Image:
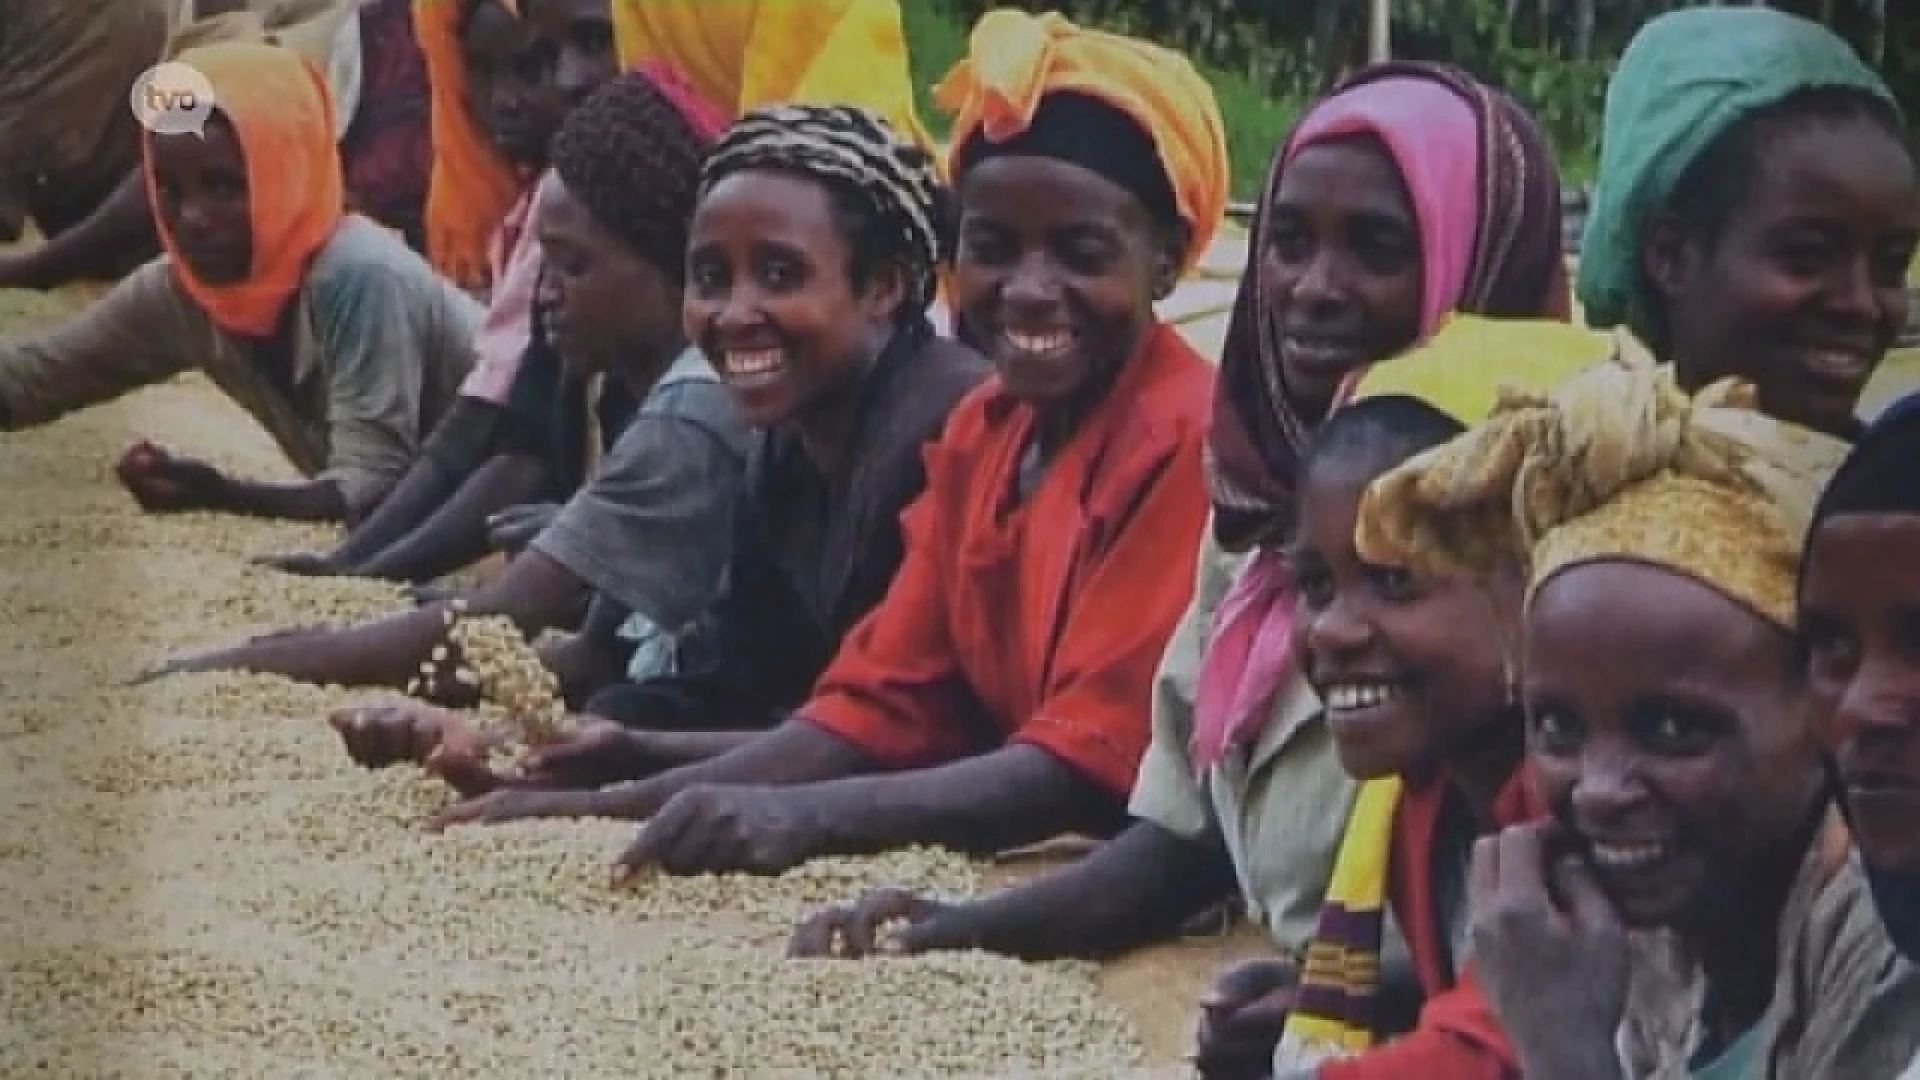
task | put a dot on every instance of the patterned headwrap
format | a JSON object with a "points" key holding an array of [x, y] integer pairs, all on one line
{"points": [[1017, 63], [1486, 198], [855, 150], [1618, 463], [632, 153]]}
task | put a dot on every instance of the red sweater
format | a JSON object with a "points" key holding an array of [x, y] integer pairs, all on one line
{"points": [[1041, 621]]}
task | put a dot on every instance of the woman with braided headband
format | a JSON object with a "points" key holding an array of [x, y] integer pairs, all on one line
{"points": [[810, 260], [996, 696], [1688, 874]]}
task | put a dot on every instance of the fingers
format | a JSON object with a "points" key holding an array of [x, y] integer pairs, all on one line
{"points": [[382, 735], [819, 935], [871, 916], [1246, 982], [1522, 866], [1483, 872], [1586, 901], [464, 772], [657, 840]]}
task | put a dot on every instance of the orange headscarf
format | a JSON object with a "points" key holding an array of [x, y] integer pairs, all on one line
{"points": [[1015, 59], [472, 185], [283, 118]]}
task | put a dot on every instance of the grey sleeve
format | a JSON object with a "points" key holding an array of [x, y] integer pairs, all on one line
{"points": [[653, 528]]}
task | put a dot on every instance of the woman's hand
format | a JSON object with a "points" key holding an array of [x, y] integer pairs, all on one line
{"points": [[728, 828], [890, 921], [1241, 1017], [164, 483], [599, 753], [1533, 923], [512, 529]]}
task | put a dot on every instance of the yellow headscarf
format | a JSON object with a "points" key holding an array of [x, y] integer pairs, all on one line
{"points": [[1462, 371], [744, 54], [1014, 60], [283, 118], [472, 185], [1618, 463]]}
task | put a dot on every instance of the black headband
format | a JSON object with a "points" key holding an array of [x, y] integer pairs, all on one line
{"points": [[1083, 130]]}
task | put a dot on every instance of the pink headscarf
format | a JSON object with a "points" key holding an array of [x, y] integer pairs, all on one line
{"points": [[1471, 163], [1434, 140]]}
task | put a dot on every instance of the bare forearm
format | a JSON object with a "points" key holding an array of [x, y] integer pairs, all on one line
{"points": [[1008, 798], [1136, 889], [794, 753], [535, 593], [314, 500], [457, 447], [96, 246], [455, 534], [426, 485]]}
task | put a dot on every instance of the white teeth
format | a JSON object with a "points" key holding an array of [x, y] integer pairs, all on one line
{"points": [[1628, 856], [1347, 697], [757, 362], [1040, 343]]}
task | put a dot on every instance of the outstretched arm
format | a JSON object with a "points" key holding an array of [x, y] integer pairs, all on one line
{"points": [[98, 247], [455, 534], [535, 592]]}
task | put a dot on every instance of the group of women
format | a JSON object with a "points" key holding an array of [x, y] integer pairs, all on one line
{"points": [[1326, 633]]}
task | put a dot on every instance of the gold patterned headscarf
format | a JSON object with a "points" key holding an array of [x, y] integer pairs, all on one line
{"points": [[1618, 463]]}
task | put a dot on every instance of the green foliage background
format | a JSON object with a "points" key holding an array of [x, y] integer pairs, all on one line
{"points": [[1267, 58]]}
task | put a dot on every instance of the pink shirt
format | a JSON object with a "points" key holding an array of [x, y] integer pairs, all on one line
{"points": [[514, 259]]}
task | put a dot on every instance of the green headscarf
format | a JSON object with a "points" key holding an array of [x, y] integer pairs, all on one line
{"points": [[1684, 79]]}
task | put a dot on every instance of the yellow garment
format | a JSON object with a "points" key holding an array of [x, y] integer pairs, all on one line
{"points": [[1617, 463], [1358, 887], [1015, 59], [1460, 370], [742, 54], [472, 185]]}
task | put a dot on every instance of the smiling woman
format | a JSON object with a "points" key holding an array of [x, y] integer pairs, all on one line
{"points": [[996, 696], [1683, 779], [1756, 209]]}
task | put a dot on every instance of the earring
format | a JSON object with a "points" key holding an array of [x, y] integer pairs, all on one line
{"points": [[1512, 681]]}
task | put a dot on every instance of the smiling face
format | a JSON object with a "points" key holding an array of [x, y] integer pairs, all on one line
{"points": [[773, 298], [1668, 731], [607, 309], [200, 190], [1056, 275], [1342, 262], [1412, 671], [1802, 288], [1860, 624]]}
